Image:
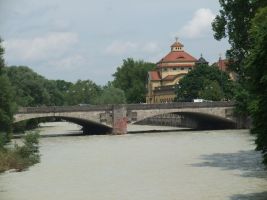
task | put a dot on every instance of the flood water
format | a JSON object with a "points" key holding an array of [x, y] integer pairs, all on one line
{"points": [[178, 165]]}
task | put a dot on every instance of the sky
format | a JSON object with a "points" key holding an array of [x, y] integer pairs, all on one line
{"points": [[89, 39]]}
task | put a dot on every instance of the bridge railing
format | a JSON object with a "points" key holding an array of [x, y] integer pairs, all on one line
{"points": [[109, 107], [180, 105], [54, 109]]}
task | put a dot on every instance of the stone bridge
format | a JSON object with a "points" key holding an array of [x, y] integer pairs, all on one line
{"points": [[114, 118]]}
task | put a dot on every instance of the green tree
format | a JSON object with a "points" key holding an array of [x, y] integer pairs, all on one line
{"points": [[211, 91], [64, 88], [55, 96], [7, 106], [83, 92], [111, 95], [131, 77], [205, 82], [31, 89], [234, 22], [28, 85], [2, 62], [257, 79]]}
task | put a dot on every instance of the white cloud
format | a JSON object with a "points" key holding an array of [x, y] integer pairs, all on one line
{"points": [[199, 25], [119, 47], [128, 47], [40, 48], [69, 63]]}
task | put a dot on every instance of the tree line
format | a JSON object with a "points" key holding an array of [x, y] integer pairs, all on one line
{"points": [[244, 23]]}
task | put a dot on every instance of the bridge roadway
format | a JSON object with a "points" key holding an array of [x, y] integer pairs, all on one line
{"points": [[114, 118]]}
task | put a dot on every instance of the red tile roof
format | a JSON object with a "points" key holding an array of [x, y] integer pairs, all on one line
{"points": [[222, 64], [177, 56], [154, 76]]}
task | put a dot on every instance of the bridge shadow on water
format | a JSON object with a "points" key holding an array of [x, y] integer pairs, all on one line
{"points": [[248, 162]]}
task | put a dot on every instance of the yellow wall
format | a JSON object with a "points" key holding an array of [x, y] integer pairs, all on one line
{"points": [[164, 98], [174, 82], [170, 71], [170, 64]]}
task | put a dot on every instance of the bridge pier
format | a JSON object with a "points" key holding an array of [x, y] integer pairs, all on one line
{"points": [[119, 119]]}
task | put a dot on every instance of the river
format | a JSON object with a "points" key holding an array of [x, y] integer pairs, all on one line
{"points": [[178, 165]]}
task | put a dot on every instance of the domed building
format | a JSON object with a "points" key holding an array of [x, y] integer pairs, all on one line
{"points": [[170, 69]]}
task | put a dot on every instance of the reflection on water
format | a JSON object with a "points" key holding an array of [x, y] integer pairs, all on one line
{"points": [[204, 165]]}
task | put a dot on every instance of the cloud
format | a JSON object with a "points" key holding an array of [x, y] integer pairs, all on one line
{"points": [[128, 47], [69, 63], [40, 48], [119, 47], [199, 25]]}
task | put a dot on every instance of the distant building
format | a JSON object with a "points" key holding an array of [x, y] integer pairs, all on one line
{"points": [[201, 61], [222, 65], [170, 69]]}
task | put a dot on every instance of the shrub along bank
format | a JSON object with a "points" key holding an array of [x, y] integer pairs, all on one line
{"points": [[20, 157]]}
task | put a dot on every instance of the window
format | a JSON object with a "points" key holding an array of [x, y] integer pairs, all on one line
{"points": [[182, 68], [174, 68]]}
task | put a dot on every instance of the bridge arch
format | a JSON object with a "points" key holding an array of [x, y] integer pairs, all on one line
{"points": [[194, 120], [88, 126]]}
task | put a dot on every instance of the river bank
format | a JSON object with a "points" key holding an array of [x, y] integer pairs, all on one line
{"points": [[20, 157]]}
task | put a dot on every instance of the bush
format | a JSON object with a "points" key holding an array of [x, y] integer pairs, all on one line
{"points": [[21, 157]]}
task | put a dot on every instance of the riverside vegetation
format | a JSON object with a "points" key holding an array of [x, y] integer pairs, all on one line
{"points": [[244, 23], [19, 157]]}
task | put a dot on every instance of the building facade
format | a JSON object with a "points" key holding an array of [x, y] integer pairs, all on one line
{"points": [[170, 69]]}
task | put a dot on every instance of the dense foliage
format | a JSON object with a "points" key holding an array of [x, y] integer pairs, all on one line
{"points": [[244, 23], [257, 78], [205, 82], [31, 89], [82, 92], [111, 95], [131, 78], [7, 106], [234, 22], [20, 157]]}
